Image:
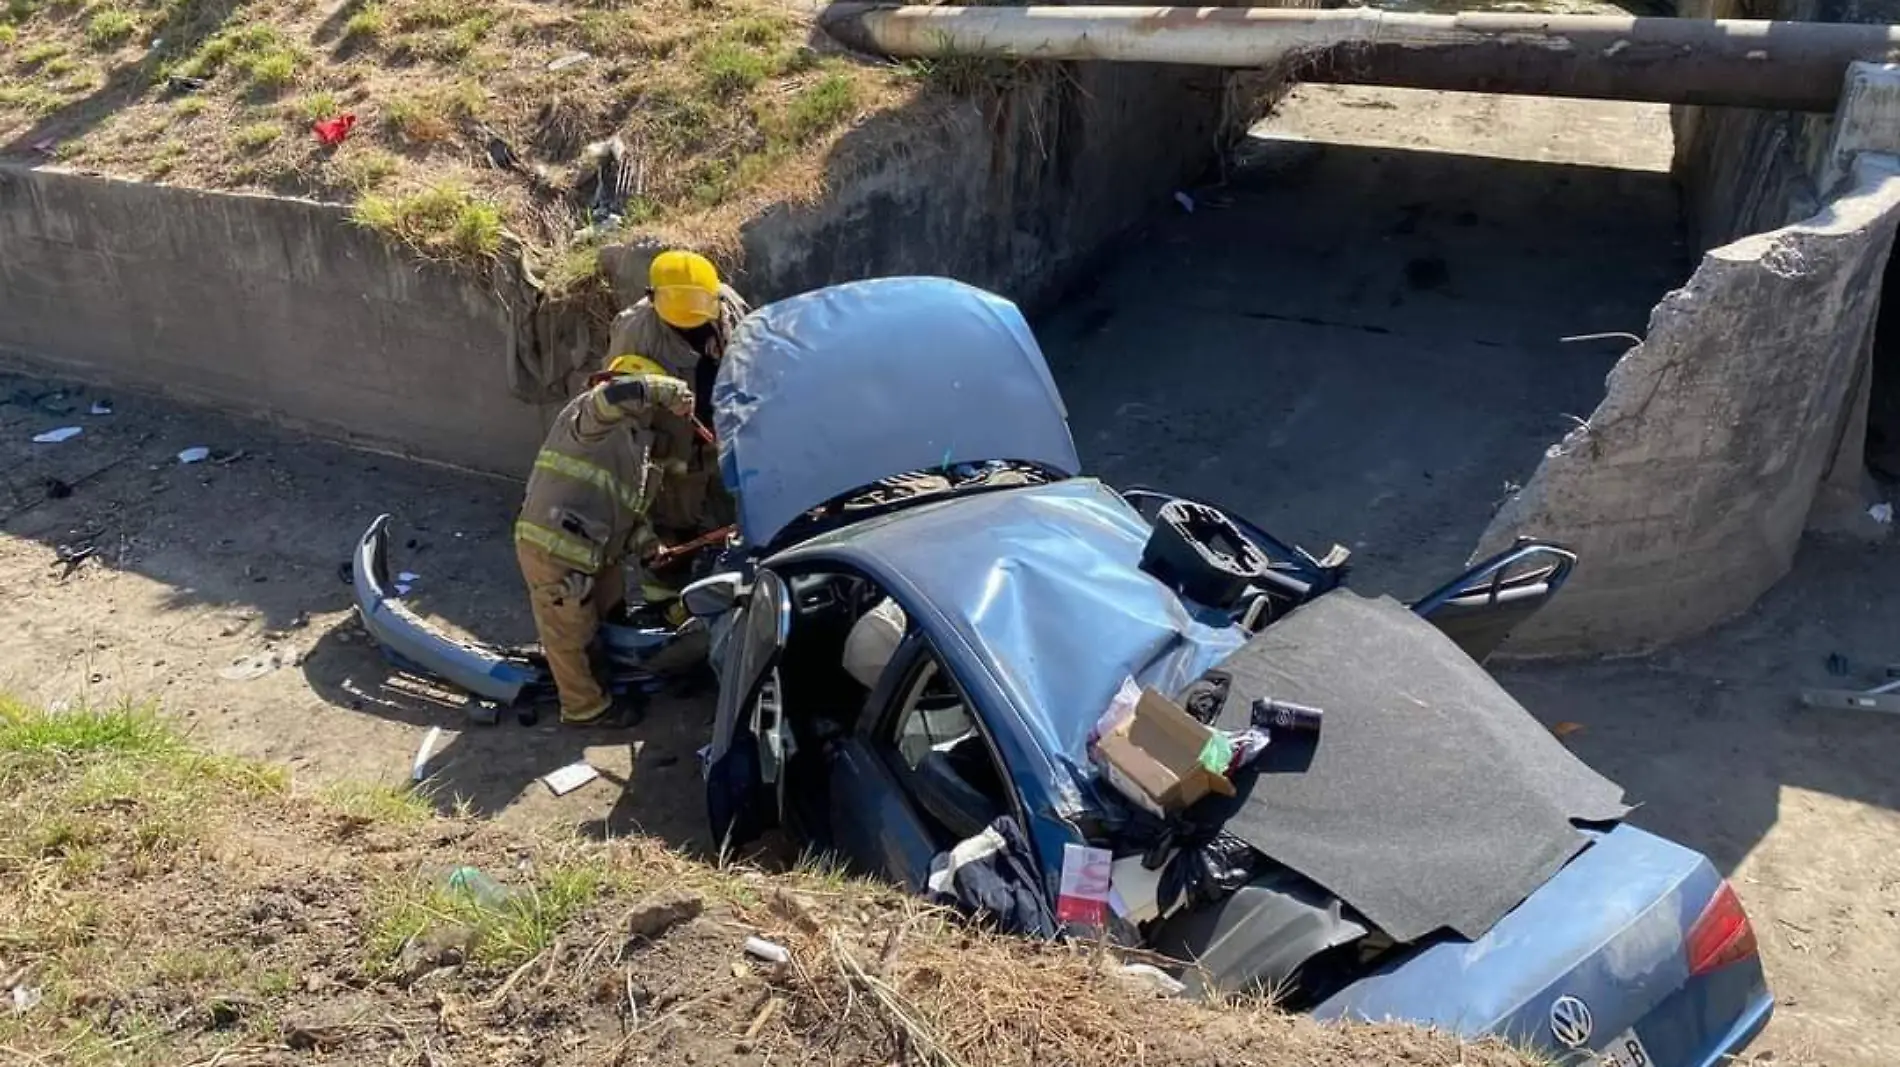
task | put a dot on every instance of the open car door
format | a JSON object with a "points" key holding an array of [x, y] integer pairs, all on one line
{"points": [[1479, 608], [748, 752]]}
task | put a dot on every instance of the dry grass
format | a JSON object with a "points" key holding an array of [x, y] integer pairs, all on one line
{"points": [[723, 104], [170, 908]]}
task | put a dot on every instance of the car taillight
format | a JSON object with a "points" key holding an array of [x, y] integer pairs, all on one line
{"points": [[1721, 935]]}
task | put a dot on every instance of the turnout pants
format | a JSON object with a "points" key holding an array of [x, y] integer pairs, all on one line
{"points": [[567, 627]]}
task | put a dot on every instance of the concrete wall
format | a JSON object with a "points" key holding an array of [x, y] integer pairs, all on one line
{"points": [[1747, 171], [274, 308], [1687, 492], [284, 309], [1016, 193]]}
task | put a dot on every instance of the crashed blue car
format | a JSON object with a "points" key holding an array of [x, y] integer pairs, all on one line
{"points": [[934, 607]]}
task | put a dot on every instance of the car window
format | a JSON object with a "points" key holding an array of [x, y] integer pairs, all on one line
{"points": [[932, 716], [940, 756]]}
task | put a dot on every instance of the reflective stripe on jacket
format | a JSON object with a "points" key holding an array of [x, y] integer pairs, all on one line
{"points": [[587, 496]]}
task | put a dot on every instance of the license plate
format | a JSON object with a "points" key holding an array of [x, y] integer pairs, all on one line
{"points": [[1624, 1050]]}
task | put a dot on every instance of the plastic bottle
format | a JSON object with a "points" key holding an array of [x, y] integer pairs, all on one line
{"points": [[478, 887]]}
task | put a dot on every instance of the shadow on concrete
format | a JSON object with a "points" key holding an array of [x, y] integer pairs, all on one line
{"points": [[1710, 737], [1362, 344]]}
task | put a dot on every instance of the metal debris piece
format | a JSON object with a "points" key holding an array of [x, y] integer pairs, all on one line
{"points": [[194, 454], [256, 665], [53, 437], [1882, 698], [100, 407], [71, 556]]}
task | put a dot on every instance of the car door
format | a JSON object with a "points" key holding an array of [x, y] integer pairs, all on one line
{"points": [[1479, 608], [919, 774], [737, 763]]}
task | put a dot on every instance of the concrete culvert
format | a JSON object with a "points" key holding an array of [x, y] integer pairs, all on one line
{"points": [[1357, 338]]}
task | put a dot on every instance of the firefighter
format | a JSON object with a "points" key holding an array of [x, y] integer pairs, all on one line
{"points": [[681, 328], [584, 515]]}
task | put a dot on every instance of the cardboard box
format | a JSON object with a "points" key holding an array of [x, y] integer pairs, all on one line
{"points": [[1153, 756]]}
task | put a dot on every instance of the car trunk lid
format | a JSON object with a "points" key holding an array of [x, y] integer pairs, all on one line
{"points": [[1608, 931]]}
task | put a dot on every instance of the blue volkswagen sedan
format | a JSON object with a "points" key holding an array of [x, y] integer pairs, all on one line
{"points": [[930, 608]]}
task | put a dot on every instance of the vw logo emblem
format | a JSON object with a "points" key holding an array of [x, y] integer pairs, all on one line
{"points": [[1570, 1021]]}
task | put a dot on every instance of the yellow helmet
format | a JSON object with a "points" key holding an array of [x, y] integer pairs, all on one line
{"points": [[631, 365], [685, 289]]}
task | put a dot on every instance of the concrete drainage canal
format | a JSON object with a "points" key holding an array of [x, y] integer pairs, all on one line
{"points": [[1358, 336]]}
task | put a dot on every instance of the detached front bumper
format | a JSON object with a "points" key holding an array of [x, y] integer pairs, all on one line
{"points": [[413, 645]]}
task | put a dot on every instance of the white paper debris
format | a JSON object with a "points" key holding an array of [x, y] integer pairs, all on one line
{"points": [[402, 588], [420, 768], [194, 454], [1186, 202], [760, 948], [1881, 513], [570, 778], [408, 576], [53, 437], [26, 998], [100, 407]]}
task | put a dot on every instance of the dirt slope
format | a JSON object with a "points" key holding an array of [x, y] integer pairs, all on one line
{"points": [[161, 906]]}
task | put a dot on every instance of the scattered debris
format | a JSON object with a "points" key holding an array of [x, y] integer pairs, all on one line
{"points": [[770, 952], [436, 948], [334, 131], [256, 665], [614, 181], [71, 556], [419, 769], [402, 588], [1186, 202], [1882, 698], [26, 998], [408, 576], [46, 145], [501, 154], [478, 887], [652, 919], [178, 83], [1881, 513], [194, 454], [53, 437], [572, 59], [569, 778], [1154, 979], [100, 407], [1082, 898], [1565, 729], [483, 712]]}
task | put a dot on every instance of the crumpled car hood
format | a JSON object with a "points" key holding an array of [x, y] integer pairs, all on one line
{"points": [[835, 389]]}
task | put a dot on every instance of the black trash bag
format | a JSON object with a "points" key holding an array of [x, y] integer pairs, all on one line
{"points": [[1206, 872]]}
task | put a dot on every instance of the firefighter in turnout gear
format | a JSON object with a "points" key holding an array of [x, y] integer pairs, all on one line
{"points": [[681, 328], [584, 515]]}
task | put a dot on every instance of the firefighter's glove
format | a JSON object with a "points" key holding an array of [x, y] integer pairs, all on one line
{"points": [[635, 394], [577, 587]]}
